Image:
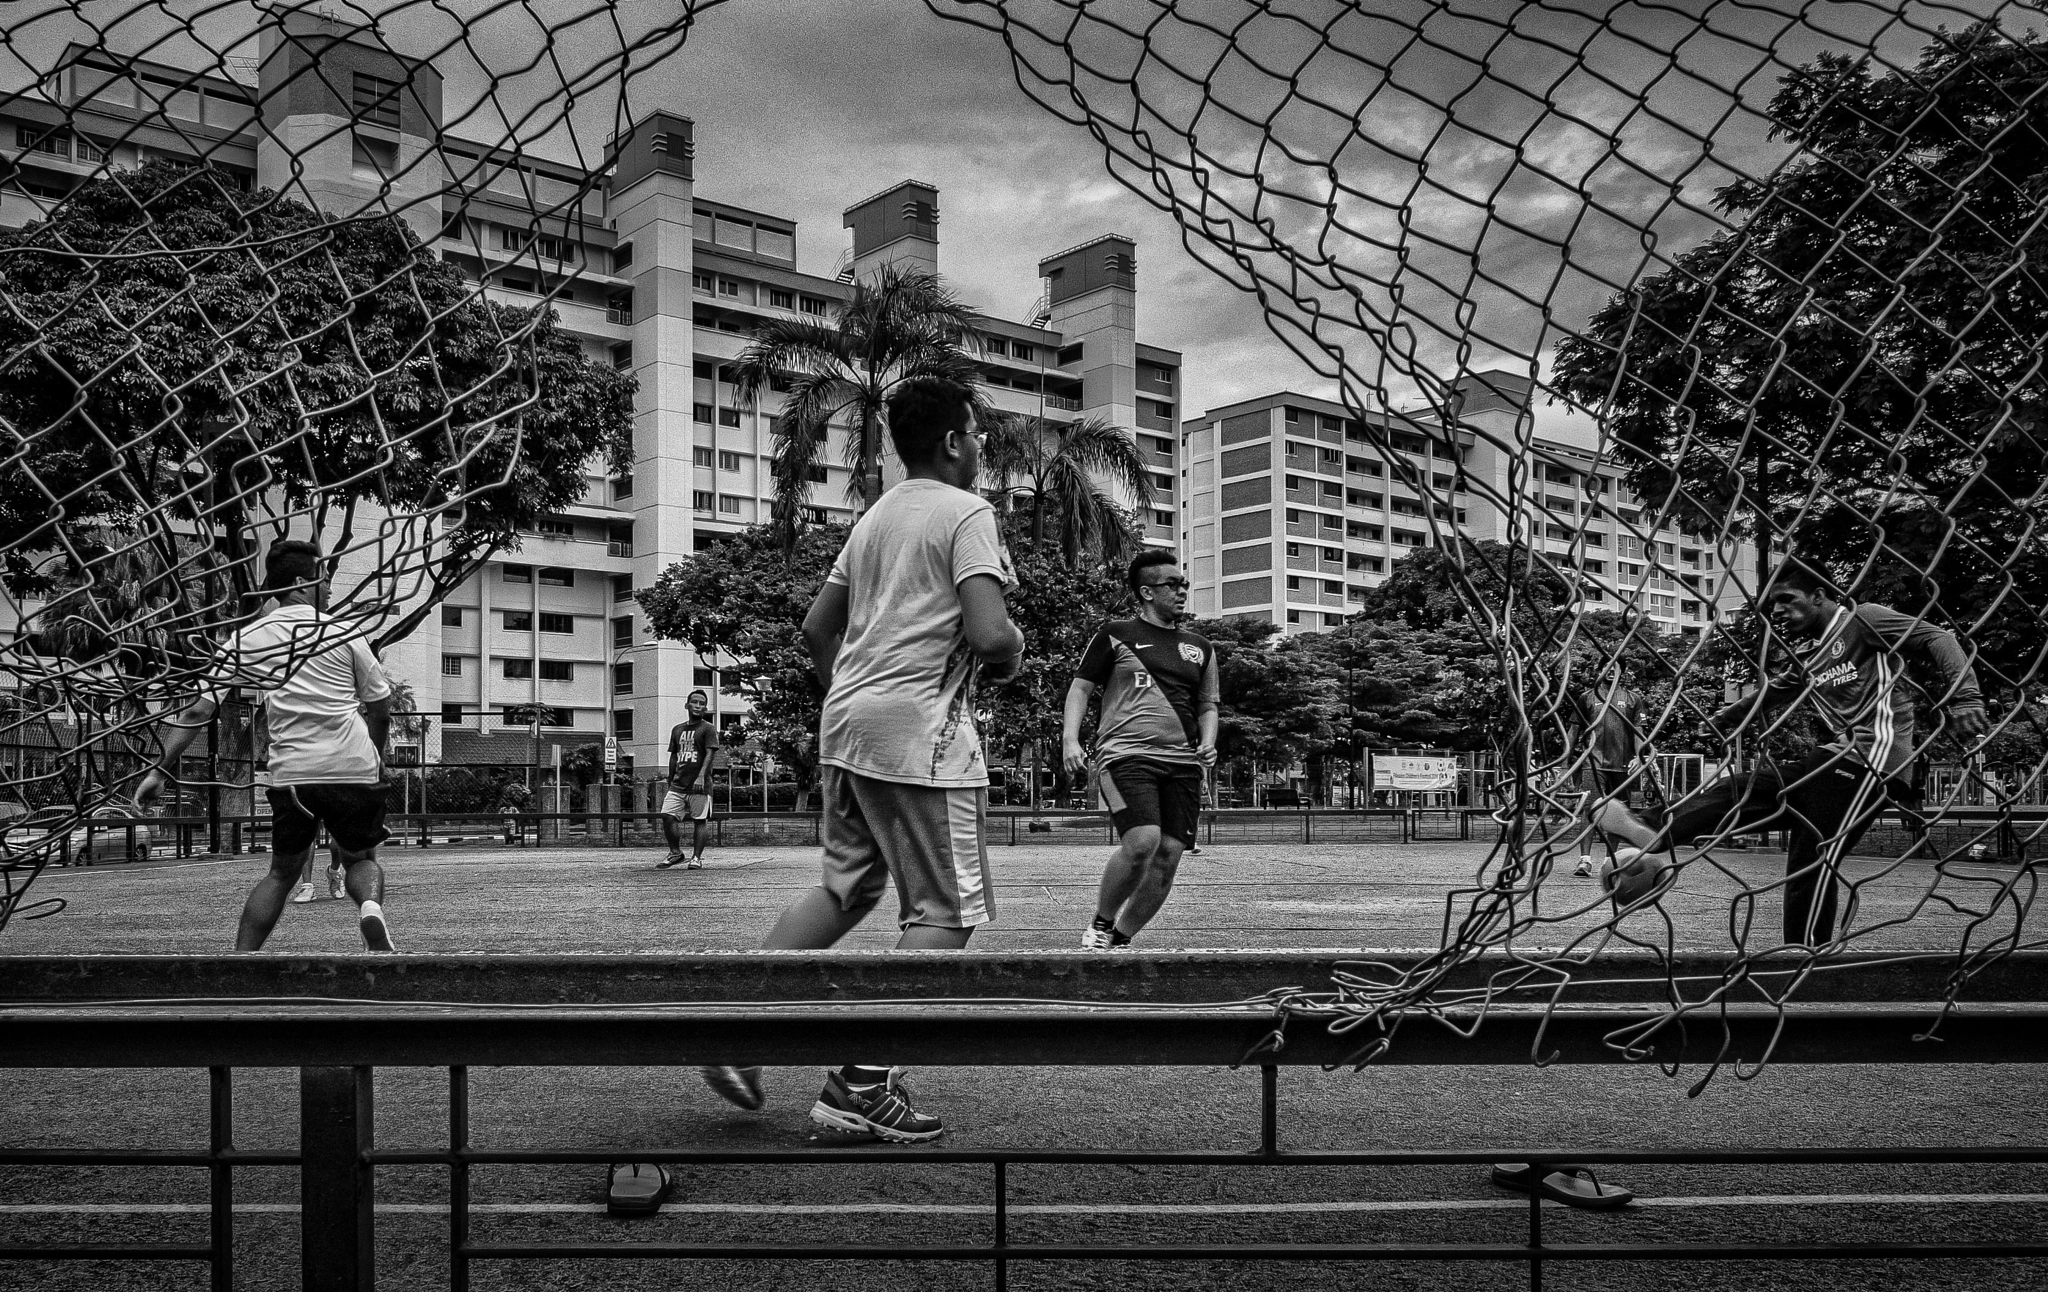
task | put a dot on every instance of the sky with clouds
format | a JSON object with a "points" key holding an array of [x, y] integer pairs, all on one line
{"points": [[1460, 180]]}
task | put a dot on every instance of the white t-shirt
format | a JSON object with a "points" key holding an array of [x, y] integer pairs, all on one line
{"points": [[901, 706], [314, 674]]}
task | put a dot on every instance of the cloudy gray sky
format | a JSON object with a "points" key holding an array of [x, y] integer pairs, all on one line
{"points": [[1495, 168]]}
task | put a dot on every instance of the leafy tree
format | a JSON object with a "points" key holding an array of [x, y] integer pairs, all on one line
{"points": [[175, 349], [1279, 702], [901, 323], [745, 599], [1854, 371], [1050, 473]]}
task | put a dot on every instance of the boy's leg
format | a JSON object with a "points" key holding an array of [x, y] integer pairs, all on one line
{"points": [[673, 805], [266, 901], [700, 833], [1125, 871], [1153, 888], [1833, 803], [855, 873]]}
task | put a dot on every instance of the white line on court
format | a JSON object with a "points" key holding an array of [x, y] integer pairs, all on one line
{"points": [[1036, 1209]]}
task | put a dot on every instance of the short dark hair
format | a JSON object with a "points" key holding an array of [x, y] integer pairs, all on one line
{"points": [[291, 563], [1146, 560], [1795, 575], [700, 691], [923, 412]]}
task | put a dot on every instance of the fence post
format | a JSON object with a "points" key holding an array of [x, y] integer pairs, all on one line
{"points": [[221, 1185], [336, 1186]]}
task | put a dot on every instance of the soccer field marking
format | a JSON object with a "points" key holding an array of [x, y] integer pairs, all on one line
{"points": [[1038, 1209]]}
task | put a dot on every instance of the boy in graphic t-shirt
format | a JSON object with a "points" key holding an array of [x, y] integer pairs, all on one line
{"points": [[1155, 734], [910, 617], [690, 749]]}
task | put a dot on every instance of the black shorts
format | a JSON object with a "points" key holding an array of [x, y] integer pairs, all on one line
{"points": [[1139, 792], [353, 815]]}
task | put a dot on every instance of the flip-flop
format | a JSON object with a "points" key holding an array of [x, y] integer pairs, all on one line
{"points": [[1574, 1186], [637, 1188]]}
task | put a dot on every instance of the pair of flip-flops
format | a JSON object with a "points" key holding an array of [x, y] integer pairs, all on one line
{"points": [[1574, 1186], [637, 1188]]}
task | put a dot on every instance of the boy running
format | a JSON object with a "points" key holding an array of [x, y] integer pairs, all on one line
{"points": [[1848, 668], [1155, 735], [329, 709], [690, 749], [911, 615]]}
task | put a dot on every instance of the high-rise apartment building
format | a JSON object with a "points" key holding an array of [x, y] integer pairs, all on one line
{"points": [[1292, 510], [650, 274]]}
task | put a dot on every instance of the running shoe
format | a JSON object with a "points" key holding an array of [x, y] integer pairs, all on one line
{"points": [[882, 1110], [303, 893], [696, 863], [336, 888], [674, 858], [1585, 869], [1095, 938], [376, 933], [741, 1086]]}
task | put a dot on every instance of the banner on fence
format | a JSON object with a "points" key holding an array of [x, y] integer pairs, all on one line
{"points": [[1414, 771]]}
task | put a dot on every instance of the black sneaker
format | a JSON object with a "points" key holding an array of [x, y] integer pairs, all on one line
{"points": [[882, 1110], [741, 1086]]}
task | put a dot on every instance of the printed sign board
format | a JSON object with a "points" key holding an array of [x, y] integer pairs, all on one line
{"points": [[1414, 772]]}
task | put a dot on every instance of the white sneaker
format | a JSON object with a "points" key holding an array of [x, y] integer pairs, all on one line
{"points": [[1095, 939], [303, 893], [335, 887], [1585, 869], [376, 933]]}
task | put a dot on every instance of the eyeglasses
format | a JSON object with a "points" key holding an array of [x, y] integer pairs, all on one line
{"points": [[1178, 585]]}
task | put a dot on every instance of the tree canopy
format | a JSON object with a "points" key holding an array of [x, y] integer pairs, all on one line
{"points": [[176, 350], [1853, 369]]}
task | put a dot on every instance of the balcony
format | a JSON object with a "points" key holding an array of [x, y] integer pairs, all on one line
{"points": [[1335, 599], [1063, 402]]}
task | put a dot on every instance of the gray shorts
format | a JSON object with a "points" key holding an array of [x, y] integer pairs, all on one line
{"points": [[929, 840]]}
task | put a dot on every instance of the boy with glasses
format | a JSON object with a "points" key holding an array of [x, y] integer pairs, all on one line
{"points": [[1155, 735]]}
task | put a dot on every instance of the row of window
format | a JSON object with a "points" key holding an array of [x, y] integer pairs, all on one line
{"points": [[55, 143], [781, 298], [702, 499], [727, 459]]}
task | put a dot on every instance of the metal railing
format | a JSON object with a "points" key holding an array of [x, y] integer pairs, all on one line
{"points": [[449, 1011]]}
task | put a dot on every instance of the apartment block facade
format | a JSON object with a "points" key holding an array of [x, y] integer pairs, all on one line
{"points": [[1293, 510], [546, 644]]}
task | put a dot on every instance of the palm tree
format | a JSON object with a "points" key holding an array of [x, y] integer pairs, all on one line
{"points": [[901, 323], [1065, 475]]}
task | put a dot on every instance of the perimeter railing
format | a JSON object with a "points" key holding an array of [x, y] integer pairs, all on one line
{"points": [[339, 1019]]}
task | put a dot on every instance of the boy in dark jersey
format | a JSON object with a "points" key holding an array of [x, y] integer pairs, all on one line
{"points": [[1156, 733], [1848, 668], [690, 748]]}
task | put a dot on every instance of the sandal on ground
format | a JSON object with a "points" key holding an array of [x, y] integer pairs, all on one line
{"points": [[637, 1188], [1574, 1186]]}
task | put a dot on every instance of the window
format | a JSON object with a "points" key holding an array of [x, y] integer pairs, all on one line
{"points": [[1019, 350], [814, 305], [1162, 517], [1293, 516], [700, 413], [622, 723], [781, 298], [554, 576], [700, 677], [816, 473], [555, 527], [1332, 587], [728, 287], [622, 255], [451, 617], [1332, 554], [729, 504], [1294, 616], [728, 460], [700, 499], [996, 345], [703, 283], [622, 487], [1330, 456], [31, 138], [622, 679], [547, 715], [728, 417], [557, 670], [451, 666], [1294, 482], [1070, 355], [1294, 549], [701, 456], [1292, 416], [1660, 605], [622, 587], [518, 621], [518, 574], [518, 669], [87, 150], [622, 631], [1293, 584], [557, 623], [451, 715], [375, 100]]}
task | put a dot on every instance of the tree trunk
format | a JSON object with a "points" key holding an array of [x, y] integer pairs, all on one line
{"points": [[870, 459]]}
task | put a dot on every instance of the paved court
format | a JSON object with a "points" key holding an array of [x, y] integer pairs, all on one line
{"points": [[1235, 895]]}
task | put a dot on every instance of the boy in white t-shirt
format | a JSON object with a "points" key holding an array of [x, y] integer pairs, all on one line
{"points": [[329, 708], [910, 617]]}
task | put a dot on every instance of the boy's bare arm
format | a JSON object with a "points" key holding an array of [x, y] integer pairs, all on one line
{"points": [[985, 622], [825, 628]]}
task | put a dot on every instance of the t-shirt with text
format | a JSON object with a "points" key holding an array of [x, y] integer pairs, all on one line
{"points": [[1154, 682], [689, 747], [901, 707], [314, 674]]}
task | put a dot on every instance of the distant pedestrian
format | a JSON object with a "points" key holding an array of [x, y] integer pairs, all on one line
{"points": [[910, 618], [1613, 755], [1154, 738], [329, 708], [691, 747]]}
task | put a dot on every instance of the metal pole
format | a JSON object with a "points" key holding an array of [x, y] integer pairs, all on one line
{"points": [[337, 1196], [458, 1179], [221, 1199]]}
